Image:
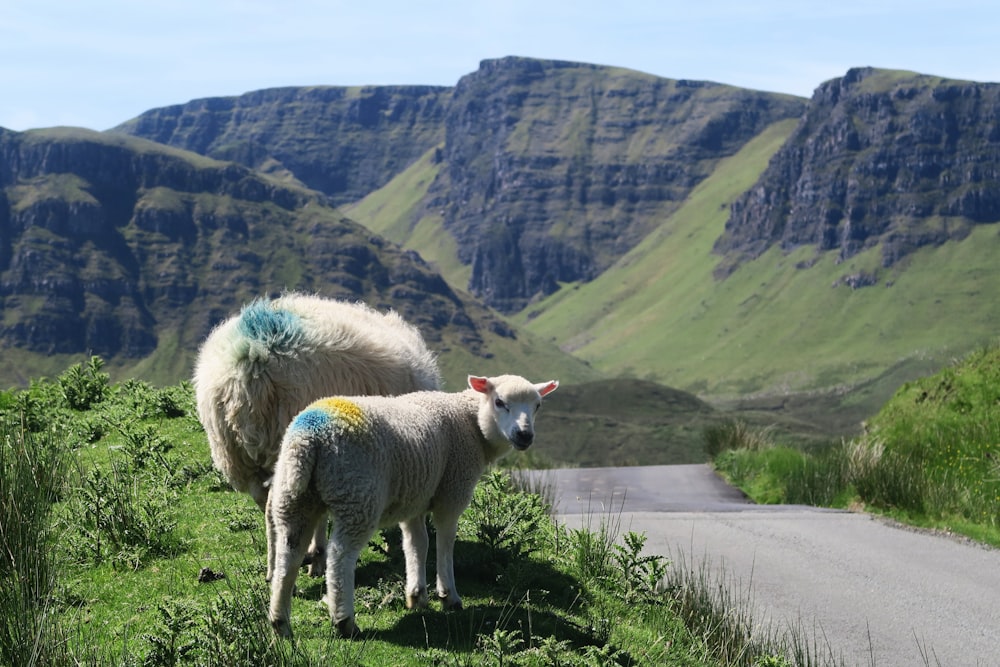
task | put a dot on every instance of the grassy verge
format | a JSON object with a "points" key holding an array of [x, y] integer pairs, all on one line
{"points": [[930, 457], [131, 550]]}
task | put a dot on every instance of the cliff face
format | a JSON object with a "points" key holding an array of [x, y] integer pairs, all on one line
{"points": [[552, 170], [344, 142], [880, 157], [108, 243]]}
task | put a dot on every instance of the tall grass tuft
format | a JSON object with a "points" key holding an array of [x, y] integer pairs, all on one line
{"points": [[723, 614], [31, 474], [820, 479], [735, 434], [712, 610]]}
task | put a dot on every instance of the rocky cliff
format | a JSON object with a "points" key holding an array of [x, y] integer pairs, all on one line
{"points": [[342, 141], [886, 158], [552, 170], [108, 243]]}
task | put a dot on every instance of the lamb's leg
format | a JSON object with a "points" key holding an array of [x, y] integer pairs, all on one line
{"points": [[290, 537], [415, 550], [342, 555], [447, 528], [317, 549]]}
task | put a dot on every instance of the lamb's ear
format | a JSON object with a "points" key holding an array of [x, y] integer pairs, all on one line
{"points": [[546, 388], [480, 384]]}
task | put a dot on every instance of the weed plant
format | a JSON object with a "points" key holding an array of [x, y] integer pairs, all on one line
{"points": [[930, 456]]}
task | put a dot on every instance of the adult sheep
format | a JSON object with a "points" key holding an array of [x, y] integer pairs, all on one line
{"points": [[256, 370], [375, 461]]}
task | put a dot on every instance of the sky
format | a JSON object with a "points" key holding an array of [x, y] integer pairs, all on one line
{"points": [[99, 63]]}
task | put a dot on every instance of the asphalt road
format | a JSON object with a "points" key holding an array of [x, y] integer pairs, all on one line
{"points": [[864, 589]]}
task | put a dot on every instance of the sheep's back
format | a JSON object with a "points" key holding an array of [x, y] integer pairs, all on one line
{"points": [[257, 370]]}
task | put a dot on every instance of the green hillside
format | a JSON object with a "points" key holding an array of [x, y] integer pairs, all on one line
{"points": [[397, 212], [774, 326]]}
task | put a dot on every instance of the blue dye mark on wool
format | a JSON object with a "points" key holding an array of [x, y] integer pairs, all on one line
{"points": [[310, 419], [277, 330]]}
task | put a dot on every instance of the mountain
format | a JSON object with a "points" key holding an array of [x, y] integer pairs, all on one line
{"points": [[544, 171], [741, 294], [753, 286], [125, 248], [342, 141], [882, 158]]}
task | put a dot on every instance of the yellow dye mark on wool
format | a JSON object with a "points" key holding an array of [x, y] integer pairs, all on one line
{"points": [[348, 414]]}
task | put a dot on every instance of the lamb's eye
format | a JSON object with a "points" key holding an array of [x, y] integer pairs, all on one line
{"points": [[500, 404]]}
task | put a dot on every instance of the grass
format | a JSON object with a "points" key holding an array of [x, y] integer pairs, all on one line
{"points": [[623, 421], [397, 212], [139, 554], [130, 549], [930, 457]]}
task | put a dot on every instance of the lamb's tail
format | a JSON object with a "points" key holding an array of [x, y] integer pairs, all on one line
{"points": [[296, 463]]}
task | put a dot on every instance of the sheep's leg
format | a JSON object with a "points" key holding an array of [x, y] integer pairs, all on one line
{"points": [[269, 535], [290, 538], [447, 528], [415, 549], [342, 555], [261, 495], [259, 491], [317, 549]]}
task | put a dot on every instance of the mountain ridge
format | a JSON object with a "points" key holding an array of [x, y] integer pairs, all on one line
{"points": [[548, 170]]}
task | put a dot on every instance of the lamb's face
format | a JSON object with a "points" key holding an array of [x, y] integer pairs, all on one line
{"points": [[509, 405]]}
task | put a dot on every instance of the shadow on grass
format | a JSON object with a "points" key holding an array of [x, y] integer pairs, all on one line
{"points": [[460, 631], [520, 597]]}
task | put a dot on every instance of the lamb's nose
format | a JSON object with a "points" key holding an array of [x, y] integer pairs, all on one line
{"points": [[523, 439]]}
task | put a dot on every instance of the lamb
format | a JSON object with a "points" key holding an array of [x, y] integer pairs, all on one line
{"points": [[376, 461], [256, 370]]}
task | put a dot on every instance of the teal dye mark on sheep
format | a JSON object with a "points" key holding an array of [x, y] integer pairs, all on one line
{"points": [[311, 419], [276, 329]]}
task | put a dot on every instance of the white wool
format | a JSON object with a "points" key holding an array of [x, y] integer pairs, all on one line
{"points": [[377, 461], [248, 394], [248, 387]]}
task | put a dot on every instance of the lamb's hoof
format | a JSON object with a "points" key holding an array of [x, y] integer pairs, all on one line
{"points": [[451, 606], [283, 628], [207, 574], [417, 601], [347, 628]]}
